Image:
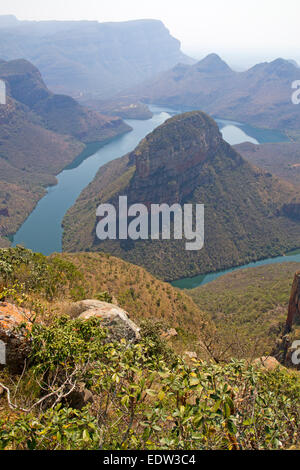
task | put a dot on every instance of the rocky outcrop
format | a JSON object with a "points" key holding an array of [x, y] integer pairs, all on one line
{"points": [[112, 317], [186, 161], [288, 341], [15, 323], [168, 160], [267, 362], [294, 303]]}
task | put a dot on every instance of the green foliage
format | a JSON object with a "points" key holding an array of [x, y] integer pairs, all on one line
{"points": [[59, 428], [248, 306], [66, 342], [144, 400], [104, 297], [37, 273]]}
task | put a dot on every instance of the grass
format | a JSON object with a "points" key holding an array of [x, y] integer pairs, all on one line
{"points": [[249, 306]]}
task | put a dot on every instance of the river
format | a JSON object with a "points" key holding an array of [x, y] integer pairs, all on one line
{"points": [[42, 230]]}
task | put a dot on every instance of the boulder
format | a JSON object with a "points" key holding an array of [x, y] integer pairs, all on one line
{"points": [[191, 354], [15, 323], [268, 362], [169, 333], [112, 317]]}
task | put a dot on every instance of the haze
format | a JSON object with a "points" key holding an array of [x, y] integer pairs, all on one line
{"points": [[242, 32]]}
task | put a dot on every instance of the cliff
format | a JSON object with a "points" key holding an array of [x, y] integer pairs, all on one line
{"points": [[185, 160], [87, 57], [40, 134]]}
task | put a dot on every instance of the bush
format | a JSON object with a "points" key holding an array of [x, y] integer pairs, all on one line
{"points": [[146, 398]]}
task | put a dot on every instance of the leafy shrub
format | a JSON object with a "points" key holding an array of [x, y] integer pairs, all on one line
{"points": [[36, 272], [144, 400]]}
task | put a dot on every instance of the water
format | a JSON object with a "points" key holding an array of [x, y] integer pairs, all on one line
{"points": [[192, 282], [42, 231]]}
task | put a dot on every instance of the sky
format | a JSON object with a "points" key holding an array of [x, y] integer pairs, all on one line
{"points": [[243, 32]]}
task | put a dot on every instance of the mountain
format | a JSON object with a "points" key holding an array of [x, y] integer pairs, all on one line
{"points": [[282, 159], [40, 134], [91, 58], [185, 160], [261, 96]]}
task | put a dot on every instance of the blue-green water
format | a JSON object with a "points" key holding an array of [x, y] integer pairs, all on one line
{"points": [[42, 231], [192, 282]]}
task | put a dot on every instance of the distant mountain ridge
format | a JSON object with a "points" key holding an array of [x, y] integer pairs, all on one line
{"points": [[261, 96], [185, 160], [87, 57]]}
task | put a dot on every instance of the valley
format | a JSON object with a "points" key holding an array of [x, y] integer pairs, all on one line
{"points": [[40, 134], [149, 228], [268, 202]]}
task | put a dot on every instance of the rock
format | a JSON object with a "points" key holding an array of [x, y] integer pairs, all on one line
{"points": [[294, 303], [169, 333], [172, 332], [191, 354], [268, 362], [15, 323], [113, 317]]}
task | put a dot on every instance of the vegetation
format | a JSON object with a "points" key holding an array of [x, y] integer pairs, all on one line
{"points": [[249, 306], [280, 159], [144, 398], [48, 285], [40, 134], [244, 220]]}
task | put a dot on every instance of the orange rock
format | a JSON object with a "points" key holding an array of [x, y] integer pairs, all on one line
{"points": [[12, 316], [14, 342], [268, 362]]}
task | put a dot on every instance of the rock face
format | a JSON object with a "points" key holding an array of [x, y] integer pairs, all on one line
{"points": [[112, 317], [14, 325], [284, 348], [166, 160], [40, 134], [186, 161], [294, 304], [86, 57]]}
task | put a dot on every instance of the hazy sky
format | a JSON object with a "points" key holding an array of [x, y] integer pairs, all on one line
{"points": [[242, 31]]}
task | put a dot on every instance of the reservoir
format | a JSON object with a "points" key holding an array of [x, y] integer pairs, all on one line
{"points": [[42, 230]]}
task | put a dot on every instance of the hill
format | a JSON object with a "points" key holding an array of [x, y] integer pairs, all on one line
{"points": [[86, 57], [261, 96], [185, 160], [81, 388], [281, 159], [52, 283], [40, 134], [249, 306]]}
